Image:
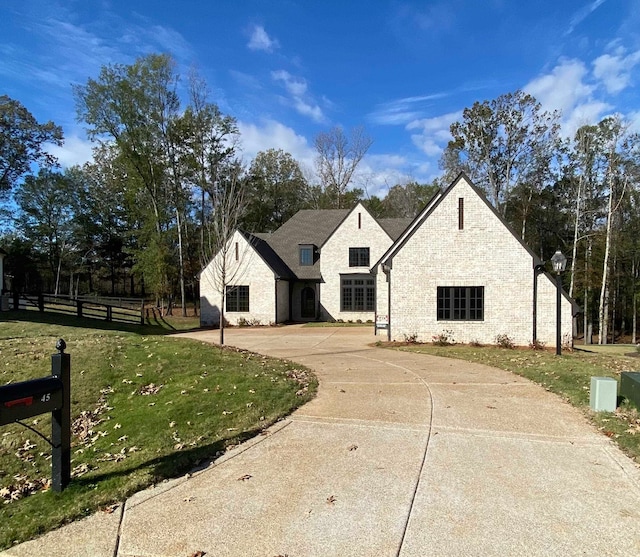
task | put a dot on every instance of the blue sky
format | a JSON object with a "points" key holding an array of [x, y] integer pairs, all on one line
{"points": [[287, 70]]}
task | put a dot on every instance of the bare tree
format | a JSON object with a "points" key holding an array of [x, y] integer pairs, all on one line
{"points": [[338, 157], [227, 196]]}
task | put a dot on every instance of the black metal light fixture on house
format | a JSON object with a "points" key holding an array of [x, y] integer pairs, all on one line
{"points": [[559, 262]]}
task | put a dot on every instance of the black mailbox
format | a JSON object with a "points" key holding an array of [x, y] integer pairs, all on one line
{"points": [[19, 401], [39, 396]]}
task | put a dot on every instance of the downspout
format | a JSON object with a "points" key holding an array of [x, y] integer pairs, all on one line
{"points": [[275, 282], [387, 271]]}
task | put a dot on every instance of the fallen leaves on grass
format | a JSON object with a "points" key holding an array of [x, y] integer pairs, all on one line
{"points": [[23, 486], [150, 389]]}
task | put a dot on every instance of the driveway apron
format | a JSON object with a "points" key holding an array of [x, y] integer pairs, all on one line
{"points": [[400, 454]]}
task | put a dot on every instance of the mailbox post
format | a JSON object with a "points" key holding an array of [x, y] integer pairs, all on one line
{"points": [[26, 399], [61, 421]]}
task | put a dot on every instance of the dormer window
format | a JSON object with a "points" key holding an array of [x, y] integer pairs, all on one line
{"points": [[306, 255]]}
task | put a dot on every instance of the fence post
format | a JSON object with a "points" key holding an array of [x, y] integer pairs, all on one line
{"points": [[61, 421], [142, 313], [40, 302], [109, 315], [16, 300], [79, 312]]}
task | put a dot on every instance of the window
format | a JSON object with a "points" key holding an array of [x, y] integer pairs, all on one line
{"points": [[306, 255], [357, 293], [461, 303], [358, 257], [237, 298]]}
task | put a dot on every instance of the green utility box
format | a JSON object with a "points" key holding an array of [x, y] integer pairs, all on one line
{"points": [[630, 387], [603, 396]]}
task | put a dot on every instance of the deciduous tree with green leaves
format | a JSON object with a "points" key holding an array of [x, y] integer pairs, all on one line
{"points": [[504, 143], [276, 190], [22, 142]]}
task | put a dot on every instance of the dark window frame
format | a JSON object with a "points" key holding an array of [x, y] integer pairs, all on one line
{"points": [[237, 298], [306, 262], [357, 293], [460, 303], [359, 257]]}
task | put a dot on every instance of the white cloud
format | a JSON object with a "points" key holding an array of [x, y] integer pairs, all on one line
{"points": [[614, 70], [75, 151], [403, 111], [294, 85], [579, 16], [299, 98], [563, 88], [260, 40], [433, 133], [570, 88], [271, 134]]}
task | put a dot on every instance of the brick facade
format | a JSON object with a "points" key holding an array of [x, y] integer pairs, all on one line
{"points": [[244, 267], [479, 251], [358, 230]]}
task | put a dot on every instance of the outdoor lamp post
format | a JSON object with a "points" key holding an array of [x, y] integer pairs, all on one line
{"points": [[559, 262]]}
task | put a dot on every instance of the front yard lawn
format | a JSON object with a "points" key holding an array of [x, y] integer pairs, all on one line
{"points": [[145, 407]]}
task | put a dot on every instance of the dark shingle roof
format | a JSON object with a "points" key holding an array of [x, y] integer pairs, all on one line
{"points": [[281, 249], [395, 227], [270, 257], [308, 226]]}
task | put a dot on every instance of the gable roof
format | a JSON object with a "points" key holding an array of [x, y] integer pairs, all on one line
{"points": [[394, 227], [269, 256], [433, 204], [308, 226]]}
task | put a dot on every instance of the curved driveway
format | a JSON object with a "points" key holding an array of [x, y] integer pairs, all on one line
{"points": [[399, 455]]}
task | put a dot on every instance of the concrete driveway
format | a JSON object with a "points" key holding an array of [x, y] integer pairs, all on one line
{"points": [[399, 455]]}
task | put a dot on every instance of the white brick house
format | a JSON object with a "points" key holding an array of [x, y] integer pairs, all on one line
{"points": [[316, 266], [458, 268]]}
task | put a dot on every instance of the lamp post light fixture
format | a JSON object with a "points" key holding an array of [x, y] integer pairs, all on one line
{"points": [[559, 262]]}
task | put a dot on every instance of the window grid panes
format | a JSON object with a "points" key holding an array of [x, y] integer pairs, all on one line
{"points": [[461, 303], [237, 298], [358, 257], [306, 256], [358, 294]]}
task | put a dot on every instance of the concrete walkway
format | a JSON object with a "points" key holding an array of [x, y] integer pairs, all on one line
{"points": [[399, 455]]}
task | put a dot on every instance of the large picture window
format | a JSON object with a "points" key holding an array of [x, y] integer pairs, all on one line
{"points": [[460, 303], [358, 257], [237, 298], [358, 293]]}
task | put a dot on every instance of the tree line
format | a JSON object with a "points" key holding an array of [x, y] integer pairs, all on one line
{"points": [[167, 185]]}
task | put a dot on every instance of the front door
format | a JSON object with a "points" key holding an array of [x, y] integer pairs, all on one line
{"points": [[308, 302]]}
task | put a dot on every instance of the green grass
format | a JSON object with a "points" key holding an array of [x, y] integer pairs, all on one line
{"points": [[145, 407], [568, 376]]}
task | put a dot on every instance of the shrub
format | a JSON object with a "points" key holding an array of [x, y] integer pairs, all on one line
{"points": [[358, 320], [411, 339], [537, 345], [445, 338], [567, 343], [505, 341], [475, 343]]}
